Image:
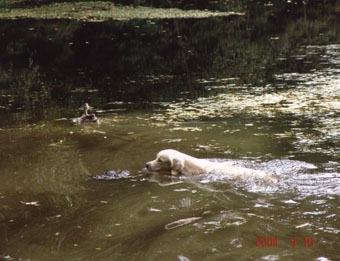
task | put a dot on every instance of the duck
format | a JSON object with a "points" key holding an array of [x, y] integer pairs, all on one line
{"points": [[87, 117]]}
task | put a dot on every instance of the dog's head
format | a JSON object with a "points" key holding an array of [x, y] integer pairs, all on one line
{"points": [[167, 161]]}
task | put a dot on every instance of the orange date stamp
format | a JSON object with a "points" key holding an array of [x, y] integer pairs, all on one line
{"points": [[274, 242]]}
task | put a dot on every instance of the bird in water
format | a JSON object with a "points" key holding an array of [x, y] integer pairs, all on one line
{"points": [[87, 117]]}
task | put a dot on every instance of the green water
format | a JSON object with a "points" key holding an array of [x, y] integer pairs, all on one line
{"points": [[264, 95], [78, 218]]}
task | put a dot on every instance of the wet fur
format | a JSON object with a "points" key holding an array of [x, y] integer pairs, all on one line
{"points": [[174, 162]]}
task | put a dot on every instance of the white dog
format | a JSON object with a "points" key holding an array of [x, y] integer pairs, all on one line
{"points": [[174, 162]]}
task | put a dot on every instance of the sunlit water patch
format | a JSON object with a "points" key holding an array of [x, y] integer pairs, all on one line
{"points": [[315, 96], [312, 97]]}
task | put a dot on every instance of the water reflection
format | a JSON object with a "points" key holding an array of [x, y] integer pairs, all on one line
{"points": [[56, 64]]}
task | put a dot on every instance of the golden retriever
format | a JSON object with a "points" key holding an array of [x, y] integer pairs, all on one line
{"points": [[174, 162]]}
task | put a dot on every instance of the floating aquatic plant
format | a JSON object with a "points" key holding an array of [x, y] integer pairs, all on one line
{"points": [[314, 97]]}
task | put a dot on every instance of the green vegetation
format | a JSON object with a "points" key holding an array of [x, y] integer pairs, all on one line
{"points": [[4, 4], [100, 11]]}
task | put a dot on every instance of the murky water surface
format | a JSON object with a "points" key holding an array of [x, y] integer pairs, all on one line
{"points": [[268, 101]]}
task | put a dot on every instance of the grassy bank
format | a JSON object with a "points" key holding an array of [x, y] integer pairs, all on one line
{"points": [[100, 11]]}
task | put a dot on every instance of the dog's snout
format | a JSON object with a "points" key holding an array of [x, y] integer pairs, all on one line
{"points": [[147, 165]]}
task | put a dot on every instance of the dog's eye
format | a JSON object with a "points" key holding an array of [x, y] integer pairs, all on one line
{"points": [[160, 160]]}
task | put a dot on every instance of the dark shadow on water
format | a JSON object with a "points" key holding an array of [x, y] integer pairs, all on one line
{"points": [[49, 68]]}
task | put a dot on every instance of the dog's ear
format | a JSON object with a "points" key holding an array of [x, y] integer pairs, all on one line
{"points": [[176, 166]]}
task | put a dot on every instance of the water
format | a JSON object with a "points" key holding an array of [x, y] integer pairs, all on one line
{"points": [[264, 97]]}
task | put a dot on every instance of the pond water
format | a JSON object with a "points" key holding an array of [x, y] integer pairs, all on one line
{"points": [[255, 91]]}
